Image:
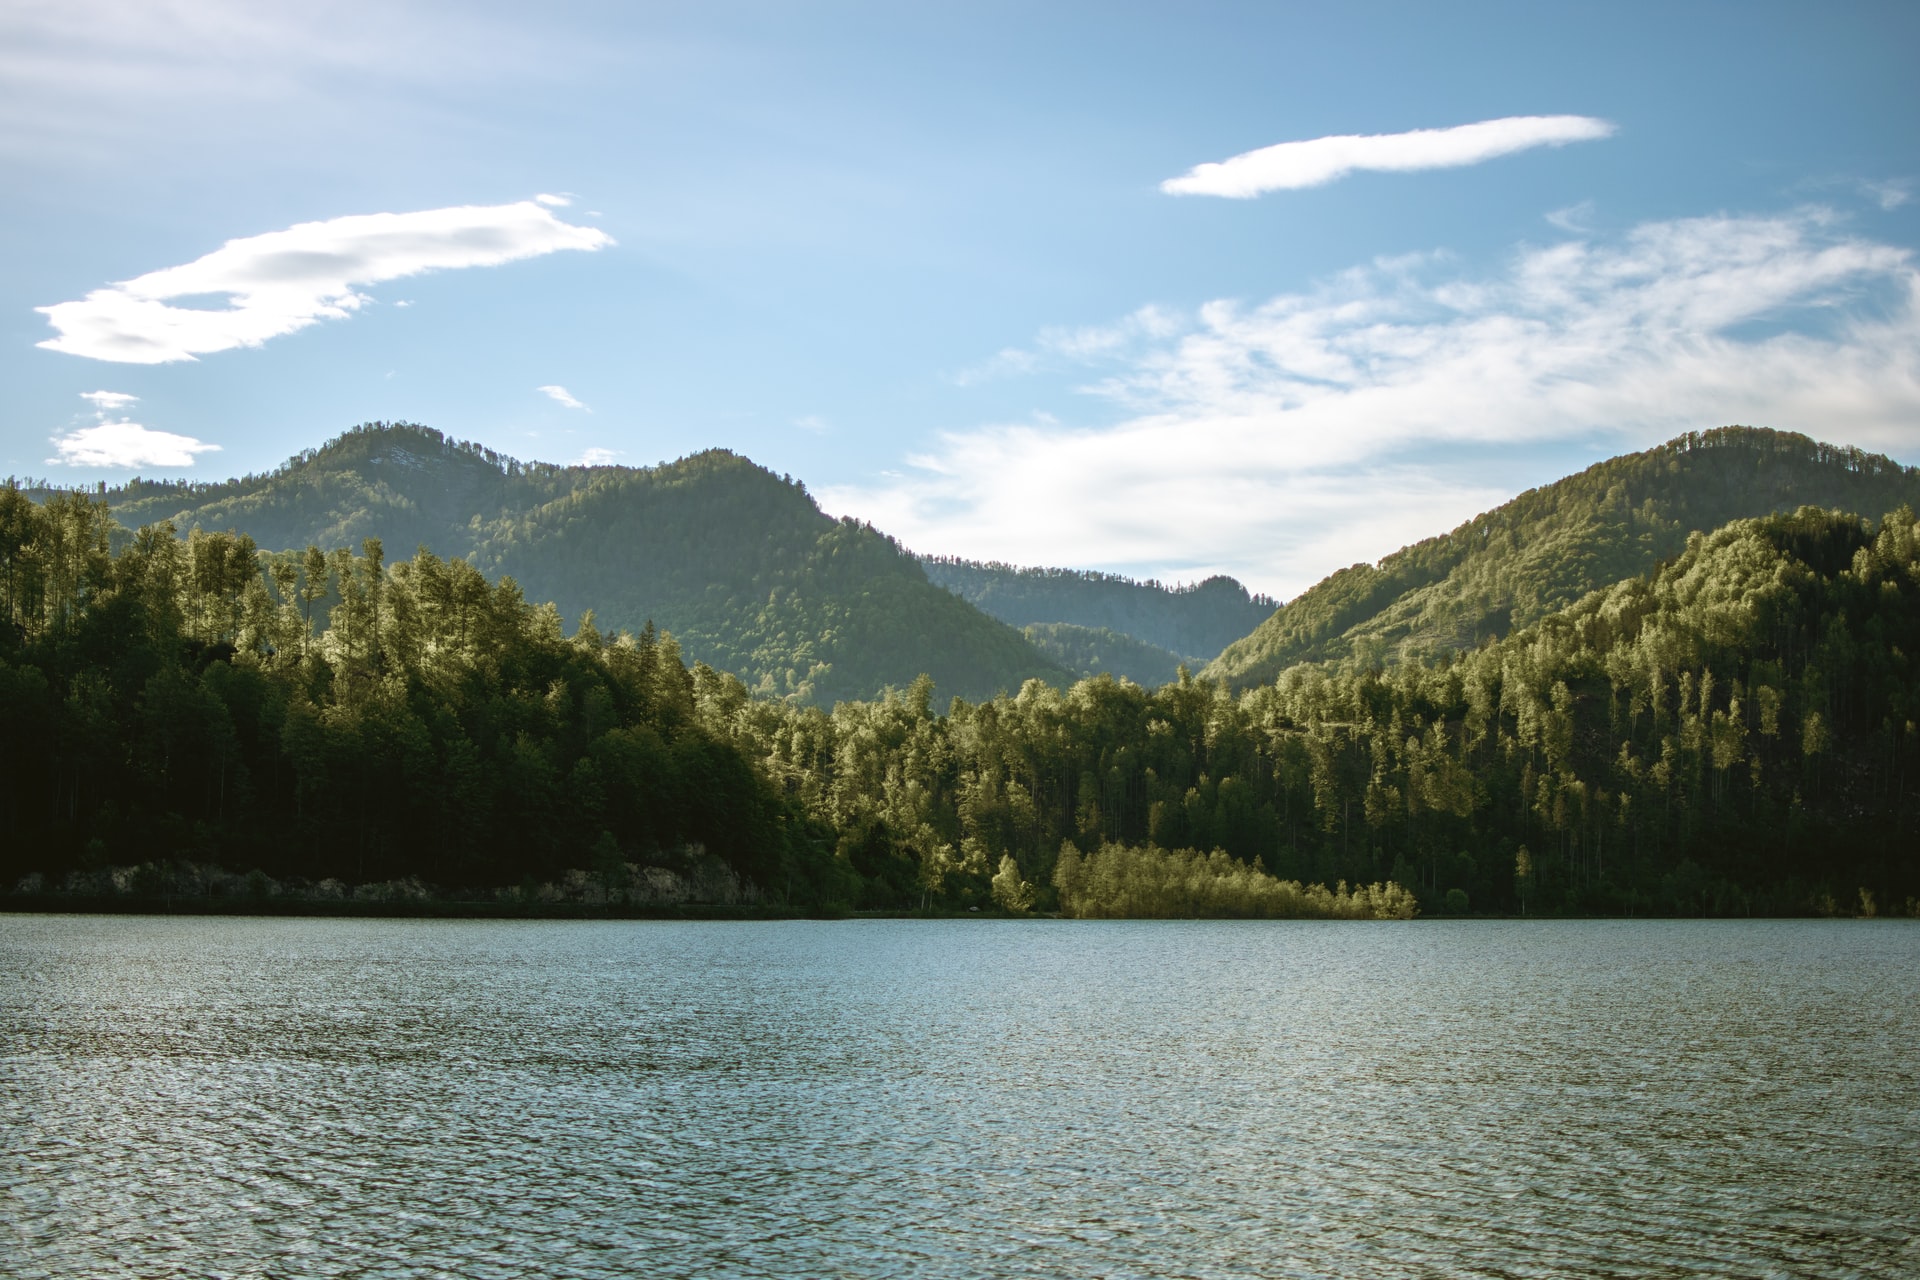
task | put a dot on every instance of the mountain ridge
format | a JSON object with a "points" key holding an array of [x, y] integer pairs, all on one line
{"points": [[1549, 546], [738, 563], [1190, 623], [746, 570]]}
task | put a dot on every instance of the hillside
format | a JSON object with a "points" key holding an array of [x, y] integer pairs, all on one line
{"points": [[1550, 546], [1732, 732], [1093, 651], [738, 563], [1194, 622]]}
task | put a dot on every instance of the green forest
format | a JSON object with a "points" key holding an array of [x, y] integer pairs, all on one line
{"points": [[1547, 548], [1183, 623], [1092, 651], [737, 562], [1729, 731], [194, 704], [1732, 733]]}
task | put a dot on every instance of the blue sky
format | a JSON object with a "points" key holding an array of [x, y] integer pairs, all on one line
{"points": [[961, 268]]}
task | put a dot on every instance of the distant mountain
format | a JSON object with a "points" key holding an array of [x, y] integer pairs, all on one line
{"points": [[1550, 546], [1191, 624], [738, 563], [1093, 651]]}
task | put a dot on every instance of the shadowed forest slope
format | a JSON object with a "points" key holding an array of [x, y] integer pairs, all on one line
{"points": [[1094, 651], [1187, 623]]}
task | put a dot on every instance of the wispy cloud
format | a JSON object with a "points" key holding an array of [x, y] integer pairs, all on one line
{"points": [[283, 281], [1006, 363], [598, 457], [1281, 441], [1318, 161], [1069, 345], [560, 395], [551, 200], [82, 72], [1576, 219], [812, 422], [1889, 195], [108, 401]]}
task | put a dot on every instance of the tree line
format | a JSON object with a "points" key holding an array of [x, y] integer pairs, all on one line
{"points": [[1734, 732], [329, 715]]}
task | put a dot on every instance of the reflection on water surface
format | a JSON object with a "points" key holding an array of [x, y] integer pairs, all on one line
{"points": [[967, 1098]]}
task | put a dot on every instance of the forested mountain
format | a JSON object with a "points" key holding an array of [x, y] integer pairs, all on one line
{"points": [[182, 707], [1192, 623], [1093, 651], [1550, 546], [1733, 732], [736, 562]]}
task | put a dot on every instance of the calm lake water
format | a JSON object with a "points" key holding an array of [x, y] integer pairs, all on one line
{"points": [[230, 1097]]}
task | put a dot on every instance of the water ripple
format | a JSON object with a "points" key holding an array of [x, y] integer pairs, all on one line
{"points": [[958, 1099]]}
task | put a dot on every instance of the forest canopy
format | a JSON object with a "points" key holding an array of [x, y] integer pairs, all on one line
{"points": [[195, 701], [1731, 732]]}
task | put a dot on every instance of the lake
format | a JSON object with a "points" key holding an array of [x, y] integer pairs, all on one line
{"points": [[968, 1098]]}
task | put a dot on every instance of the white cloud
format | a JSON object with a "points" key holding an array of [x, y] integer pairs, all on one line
{"points": [[598, 457], [85, 78], [1318, 161], [1008, 362], [560, 395], [1889, 195], [1092, 341], [1281, 441], [1068, 345], [554, 201], [1575, 219], [123, 443], [812, 422], [286, 280], [126, 444]]}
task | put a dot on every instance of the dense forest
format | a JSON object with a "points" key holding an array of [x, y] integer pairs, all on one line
{"points": [[1732, 730], [194, 718], [1093, 651], [1548, 547], [192, 704], [1186, 623], [738, 563]]}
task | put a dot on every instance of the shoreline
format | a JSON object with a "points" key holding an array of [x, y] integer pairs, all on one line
{"points": [[489, 909], [447, 909]]}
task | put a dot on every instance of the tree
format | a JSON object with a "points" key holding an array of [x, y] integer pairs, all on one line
{"points": [[1010, 892]]}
